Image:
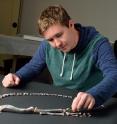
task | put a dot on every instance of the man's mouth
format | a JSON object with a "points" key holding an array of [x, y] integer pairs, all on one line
{"points": [[63, 48]]}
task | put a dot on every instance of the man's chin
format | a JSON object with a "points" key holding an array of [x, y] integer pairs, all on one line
{"points": [[65, 51]]}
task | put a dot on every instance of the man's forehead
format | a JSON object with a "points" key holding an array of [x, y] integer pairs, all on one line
{"points": [[53, 31]]}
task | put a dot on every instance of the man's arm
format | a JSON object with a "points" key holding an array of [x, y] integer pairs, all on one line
{"points": [[35, 65], [107, 63], [96, 96]]}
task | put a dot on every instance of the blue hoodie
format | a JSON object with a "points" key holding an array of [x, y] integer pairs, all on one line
{"points": [[91, 66]]}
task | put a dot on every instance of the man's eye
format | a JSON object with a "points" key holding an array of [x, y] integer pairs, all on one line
{"points": [[50, 40], [59, 35]]}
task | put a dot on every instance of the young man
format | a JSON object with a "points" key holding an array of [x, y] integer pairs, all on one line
{"points": [[77, 57]]}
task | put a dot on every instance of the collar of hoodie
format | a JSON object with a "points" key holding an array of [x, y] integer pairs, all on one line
{"points": [[63, 63]]}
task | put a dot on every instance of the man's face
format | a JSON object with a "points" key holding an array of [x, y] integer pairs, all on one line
{"points": [[62, 37]]}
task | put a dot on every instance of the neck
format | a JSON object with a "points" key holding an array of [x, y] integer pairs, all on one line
{"points": [[76, 40], [76, 37]]}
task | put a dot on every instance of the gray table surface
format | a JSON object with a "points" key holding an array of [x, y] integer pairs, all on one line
{"points": [[107, 115], [18, 47], [15, 45]]}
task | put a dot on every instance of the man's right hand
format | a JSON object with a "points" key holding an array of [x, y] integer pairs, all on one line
{"points": [[11, 80]]}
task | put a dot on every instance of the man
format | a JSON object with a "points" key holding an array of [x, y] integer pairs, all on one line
{"points": [[77, 57]]}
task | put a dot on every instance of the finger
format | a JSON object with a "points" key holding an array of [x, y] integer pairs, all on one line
{"points": [[5, 84], [74, 103], [11, 81], [81, 103], [91, 105], [8, 84], [11, 84], [16, 80], [87, 103]]}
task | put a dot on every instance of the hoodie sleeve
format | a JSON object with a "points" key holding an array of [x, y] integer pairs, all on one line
{"points": [[107, 63], [34, 66]]}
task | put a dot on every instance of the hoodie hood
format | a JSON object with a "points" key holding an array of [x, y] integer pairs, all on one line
{"points": [[86, 34]]}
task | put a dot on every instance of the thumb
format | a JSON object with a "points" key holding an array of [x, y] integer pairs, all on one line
{"points": [[17, 80]]}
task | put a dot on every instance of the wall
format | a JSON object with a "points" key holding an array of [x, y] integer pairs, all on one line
{"points": [[98, 13]]}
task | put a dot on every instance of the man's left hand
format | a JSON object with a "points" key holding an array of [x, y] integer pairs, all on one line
{"points": [[83, 100]]}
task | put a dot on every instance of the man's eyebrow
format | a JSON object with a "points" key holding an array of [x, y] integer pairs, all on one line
{"points": [[54, 36], [51, 37]]}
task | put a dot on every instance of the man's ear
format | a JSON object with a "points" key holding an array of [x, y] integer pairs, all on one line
{"points": [[71, 23]]}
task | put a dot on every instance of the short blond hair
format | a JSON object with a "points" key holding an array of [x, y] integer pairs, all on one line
{"points": [[52, 15]]}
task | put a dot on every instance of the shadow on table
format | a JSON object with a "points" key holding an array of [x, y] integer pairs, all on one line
{"points": [[109, 108]]}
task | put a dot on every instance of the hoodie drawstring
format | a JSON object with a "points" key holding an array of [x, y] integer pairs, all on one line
{"points": [[72, 67], [61, 74]]}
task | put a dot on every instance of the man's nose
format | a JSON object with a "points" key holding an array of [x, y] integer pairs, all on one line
{"points": [[57, 43]]}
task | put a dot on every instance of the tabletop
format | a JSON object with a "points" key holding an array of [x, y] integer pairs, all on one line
{"points": [[18, 47], [107, 115], [15, 45]]}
